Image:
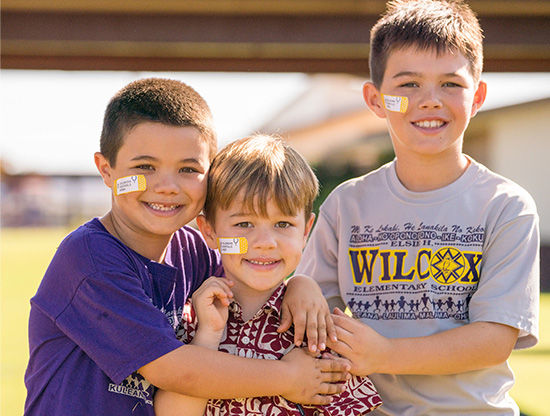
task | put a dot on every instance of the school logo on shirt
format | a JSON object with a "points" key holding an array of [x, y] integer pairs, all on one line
{"points": [[410, 272], [447, 265], [134, 386]]}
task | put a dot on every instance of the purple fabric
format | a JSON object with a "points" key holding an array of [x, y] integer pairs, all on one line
{"points": [[103, 311]]}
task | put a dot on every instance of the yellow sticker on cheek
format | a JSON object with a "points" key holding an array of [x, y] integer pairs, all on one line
{"points": [[232, 245], [130, 184], [395, 103]]}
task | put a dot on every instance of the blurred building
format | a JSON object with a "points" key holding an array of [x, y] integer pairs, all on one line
{"points": [[33, 200]]}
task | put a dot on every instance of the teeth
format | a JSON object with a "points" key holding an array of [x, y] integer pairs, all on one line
{"points": [[429, 124], [159, 207], [262, 263]]}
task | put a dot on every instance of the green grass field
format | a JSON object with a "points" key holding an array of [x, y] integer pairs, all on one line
{"points": [[26, 253]]}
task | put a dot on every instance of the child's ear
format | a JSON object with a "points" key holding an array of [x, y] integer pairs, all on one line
{"points": [[207, 232], [479, 97], [309, 225], [104, 168], [373, 99]]}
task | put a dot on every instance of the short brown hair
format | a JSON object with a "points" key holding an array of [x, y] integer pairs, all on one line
{"points": [[440, 25], [263, 167], [159, 100]]}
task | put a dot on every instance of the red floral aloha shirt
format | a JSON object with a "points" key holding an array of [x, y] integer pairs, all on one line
{"points": [[258, 338]]}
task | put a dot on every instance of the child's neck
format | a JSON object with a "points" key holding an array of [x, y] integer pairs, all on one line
{"points": [[251, 300], [427, 173], [153, 248]]}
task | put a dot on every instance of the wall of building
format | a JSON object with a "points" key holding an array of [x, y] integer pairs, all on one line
{"points": [[520, 150]]}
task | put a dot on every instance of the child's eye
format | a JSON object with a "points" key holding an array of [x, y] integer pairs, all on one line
{"points": [[145, 167], [451, 84], [283, 224], [188, 170], [409, 84], [244, 224]]}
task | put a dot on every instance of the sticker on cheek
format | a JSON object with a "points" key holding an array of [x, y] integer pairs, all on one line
{"points": [[233, 245], [130, 184], [395, 103]]}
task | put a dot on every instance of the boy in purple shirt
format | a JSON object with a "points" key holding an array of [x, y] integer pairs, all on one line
{"points": [[102, 324]]}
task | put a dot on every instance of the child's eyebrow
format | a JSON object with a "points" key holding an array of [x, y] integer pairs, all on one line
{"points": [[407, 74], [419, 75], [143, 157], [154, 159], [240, 214]]}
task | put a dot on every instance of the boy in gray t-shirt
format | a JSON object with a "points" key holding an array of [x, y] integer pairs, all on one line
{"points": [[434, 255]]}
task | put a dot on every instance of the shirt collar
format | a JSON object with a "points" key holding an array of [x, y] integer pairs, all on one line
{"points": [[274, 303]]}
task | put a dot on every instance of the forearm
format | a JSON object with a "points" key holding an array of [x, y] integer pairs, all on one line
{"points": [[471, 347], [168, 403], [201, 372]]}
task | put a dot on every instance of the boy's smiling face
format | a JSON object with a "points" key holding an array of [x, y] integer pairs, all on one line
{"points": [[275, 245], [442, 98], [175, 162]]}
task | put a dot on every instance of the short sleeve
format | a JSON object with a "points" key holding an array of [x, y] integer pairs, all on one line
{"points": [[115, 323], [509, 285], [320, 257], [105, 299]]}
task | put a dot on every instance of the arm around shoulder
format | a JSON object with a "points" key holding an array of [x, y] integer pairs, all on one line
{"points": [[201, 372]]}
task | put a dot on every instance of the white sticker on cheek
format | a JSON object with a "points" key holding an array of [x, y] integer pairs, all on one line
{"points": [[395, 103], [130, 184], [232, 245]]}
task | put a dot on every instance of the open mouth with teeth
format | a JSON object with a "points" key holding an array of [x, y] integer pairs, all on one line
{"points": [[162, 207], [429, 124], [262, 263]]}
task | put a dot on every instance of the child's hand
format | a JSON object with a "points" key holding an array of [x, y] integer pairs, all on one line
{"points": [[365, 348], [305, 306], [211, 301], [315, 379]]}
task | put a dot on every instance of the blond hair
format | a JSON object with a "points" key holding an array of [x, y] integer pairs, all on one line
{"points": [[262, 167]]}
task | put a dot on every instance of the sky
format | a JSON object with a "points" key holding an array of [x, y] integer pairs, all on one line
{"points": [[50, 121]]}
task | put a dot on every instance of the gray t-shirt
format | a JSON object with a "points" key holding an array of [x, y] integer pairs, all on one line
{"points": [[418, 263]]}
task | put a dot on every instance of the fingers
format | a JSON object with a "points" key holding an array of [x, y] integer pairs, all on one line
{"points": [[219, 294], [343, 321], [312, 332], [333, 356], [327, 391], [344, 338], [320, 400], [299, 319], [334, 365], [318, 327], [331, 329], [286, 319], [217, 287], [318, 330]]}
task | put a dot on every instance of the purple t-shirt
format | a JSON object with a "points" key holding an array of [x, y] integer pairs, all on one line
{"points": [[101, 312]]}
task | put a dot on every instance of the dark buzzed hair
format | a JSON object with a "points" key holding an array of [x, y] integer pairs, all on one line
{"points": [[157, 100]]}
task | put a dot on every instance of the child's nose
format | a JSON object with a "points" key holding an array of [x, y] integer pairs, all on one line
{"points": [[167, 184], [264, 238], [430, 98]]}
